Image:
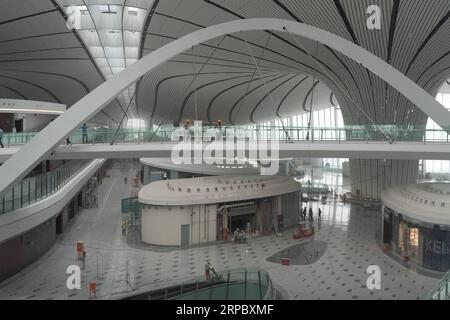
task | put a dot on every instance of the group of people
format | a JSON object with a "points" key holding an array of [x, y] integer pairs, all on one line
{"points": [[239, 236], [310, 214], [188, 130]]}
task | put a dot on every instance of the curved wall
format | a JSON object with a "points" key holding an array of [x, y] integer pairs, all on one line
{"points": [[162, 225]]}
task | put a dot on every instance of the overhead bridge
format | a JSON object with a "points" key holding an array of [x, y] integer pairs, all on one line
{"points": [[298, 149]]}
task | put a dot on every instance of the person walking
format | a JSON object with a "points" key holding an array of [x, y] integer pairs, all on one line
{"points": [[214, 275], [320, 214], [311, 215], [84, 133], [124, 229], [1, 138], [84, 260], [304, 214]]}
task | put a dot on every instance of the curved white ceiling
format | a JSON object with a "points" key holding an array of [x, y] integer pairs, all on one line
{"points": [[41, 59]]}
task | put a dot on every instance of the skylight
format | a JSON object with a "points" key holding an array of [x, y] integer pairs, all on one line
{"points": [[112, 31]]}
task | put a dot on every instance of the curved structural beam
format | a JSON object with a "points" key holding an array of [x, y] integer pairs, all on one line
{"points": [[55, 133], [268, 94], [288, 94], [305, 101], [211, 102], [196, 90], [248, 93]]}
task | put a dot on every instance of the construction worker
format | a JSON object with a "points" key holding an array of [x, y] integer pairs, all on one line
{"points": [[236, 235], [124, 229], [215, 275], [207, 271], [84, 133], [311, 215]]}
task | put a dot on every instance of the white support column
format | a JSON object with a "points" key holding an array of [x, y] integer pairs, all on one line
{"points": [[371, 177]]}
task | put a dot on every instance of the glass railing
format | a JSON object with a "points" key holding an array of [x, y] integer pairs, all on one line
{"points": [[315, 188], [239, 284], [36, 188], [236, 284], [442, 290], [207, 133]]}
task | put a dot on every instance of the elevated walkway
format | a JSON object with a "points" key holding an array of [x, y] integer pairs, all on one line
{"points": [[298, 149], [360, 142]]}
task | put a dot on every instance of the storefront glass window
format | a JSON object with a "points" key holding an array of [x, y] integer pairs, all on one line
{"points": [[421, 244]]}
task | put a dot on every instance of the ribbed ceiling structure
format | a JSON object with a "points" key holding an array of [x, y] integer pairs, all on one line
{"points": [[41, 59], [112, 32]]}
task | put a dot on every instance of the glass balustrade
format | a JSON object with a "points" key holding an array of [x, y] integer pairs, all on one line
{"points": [[347, 133], [36, 188], [236, 284], [442, 290]]}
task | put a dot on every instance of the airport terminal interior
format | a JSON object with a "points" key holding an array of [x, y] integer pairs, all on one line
{"points": [[224, 150]]}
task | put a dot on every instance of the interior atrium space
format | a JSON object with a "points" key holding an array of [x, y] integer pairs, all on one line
{"points": [[224, 150]]}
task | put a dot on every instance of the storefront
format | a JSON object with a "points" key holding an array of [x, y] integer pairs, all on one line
{"points": [[415, 225]]}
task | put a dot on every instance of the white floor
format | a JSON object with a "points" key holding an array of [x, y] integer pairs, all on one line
{"points": [[339, 274]]}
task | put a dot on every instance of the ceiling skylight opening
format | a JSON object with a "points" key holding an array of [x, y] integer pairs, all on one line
{"points": [[112, 33]]}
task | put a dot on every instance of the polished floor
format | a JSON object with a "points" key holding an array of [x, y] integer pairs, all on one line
{"points": [[350, 235]]}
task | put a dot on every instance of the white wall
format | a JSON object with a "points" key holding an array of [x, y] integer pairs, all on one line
{"points": [[34, 122], [204, 224], [161, 225]]}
